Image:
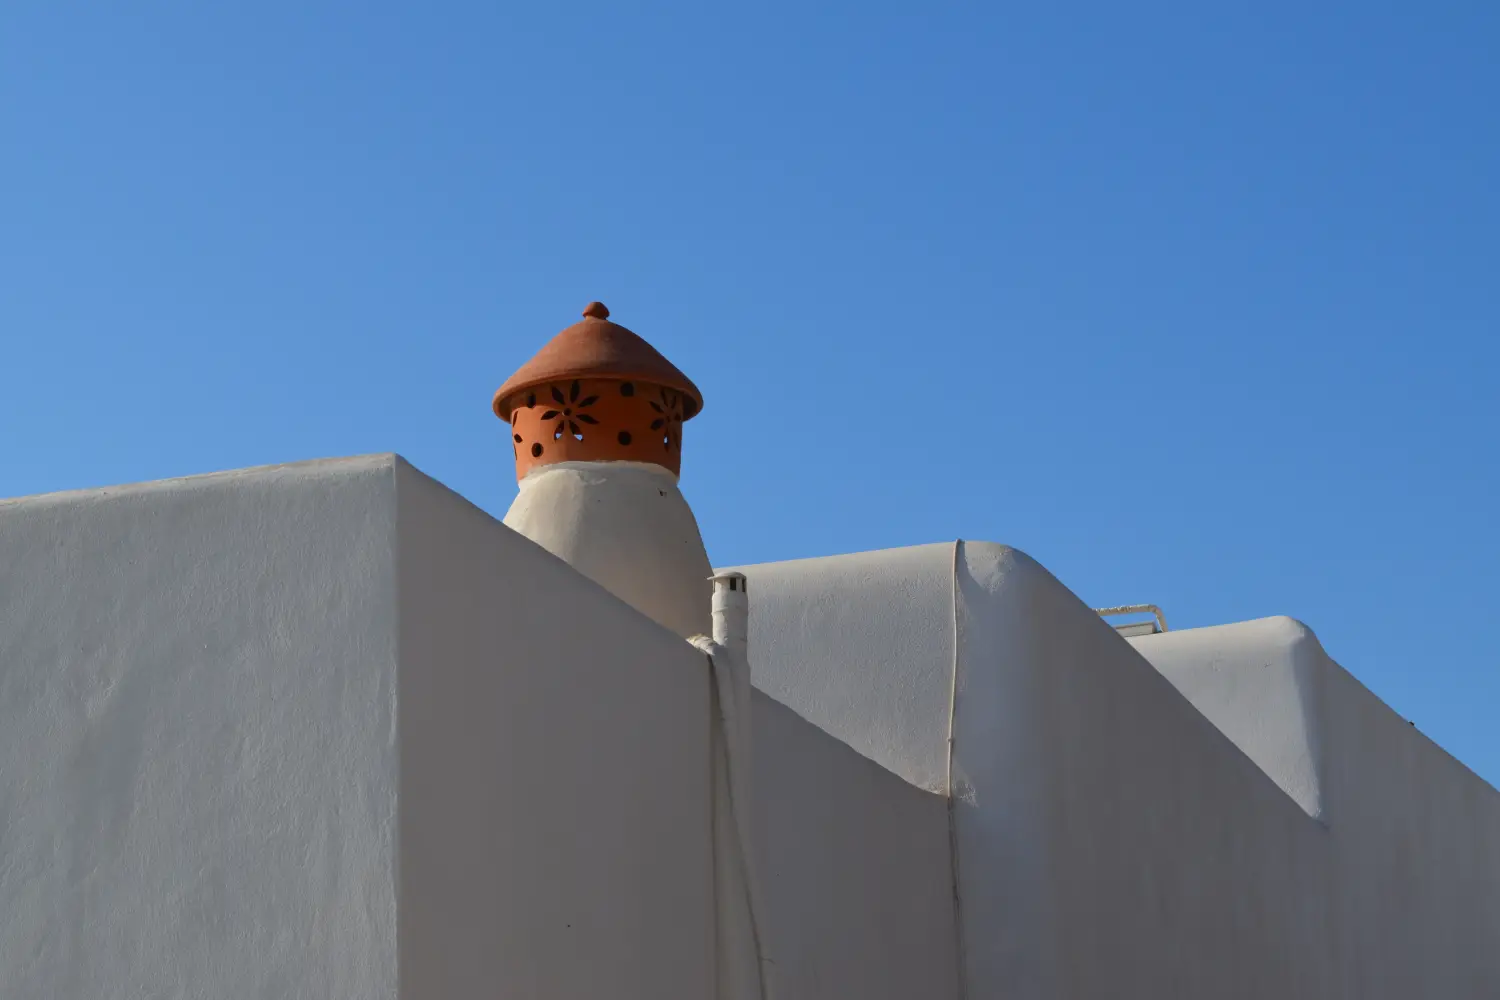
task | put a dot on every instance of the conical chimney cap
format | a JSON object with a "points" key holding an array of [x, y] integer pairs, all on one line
{"points": [[596, 348]]}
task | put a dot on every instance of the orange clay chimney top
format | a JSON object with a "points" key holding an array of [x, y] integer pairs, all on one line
{"points": [[597, 392]]}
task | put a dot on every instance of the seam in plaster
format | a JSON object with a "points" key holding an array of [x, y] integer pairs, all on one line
{"points": [[397, 562], [959, 954], [596, 465], [713, 840], [719, 718]]}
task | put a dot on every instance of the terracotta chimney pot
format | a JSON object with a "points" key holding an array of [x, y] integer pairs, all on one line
{"points": [[597, 392]]}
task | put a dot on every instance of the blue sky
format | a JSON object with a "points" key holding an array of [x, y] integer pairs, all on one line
{"points": [[1195, 303]]}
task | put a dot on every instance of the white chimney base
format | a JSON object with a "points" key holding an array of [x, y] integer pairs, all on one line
{"points": [[626, 526]]}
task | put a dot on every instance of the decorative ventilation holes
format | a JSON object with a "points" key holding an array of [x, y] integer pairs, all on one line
{"points": [[570, 413], [597, 420], [669, 423]]}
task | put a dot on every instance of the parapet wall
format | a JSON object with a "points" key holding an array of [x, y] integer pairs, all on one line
{"points": [[1415, 856], [854, 868], [329, 731], [199, 783], [1114, 840]]}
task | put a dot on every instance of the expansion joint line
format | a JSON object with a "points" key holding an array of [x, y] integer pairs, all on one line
{"points": [[959, 952]]}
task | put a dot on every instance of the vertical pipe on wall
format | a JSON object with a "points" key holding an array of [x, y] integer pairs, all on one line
{"points": [[741, 958], [731, 613]]}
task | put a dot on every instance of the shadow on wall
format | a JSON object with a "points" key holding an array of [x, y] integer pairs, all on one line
{"points": [[854, 867]]}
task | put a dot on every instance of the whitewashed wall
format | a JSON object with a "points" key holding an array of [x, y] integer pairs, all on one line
{"points": [[854, 868], [1113, 841], [328, 731], [555, 773], [1415, 835]]}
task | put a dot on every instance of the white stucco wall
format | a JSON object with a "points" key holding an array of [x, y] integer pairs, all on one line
{"points": [[1415, 835], [555, 774], [854, 861], [1112, 840], [1263, 686], [198, 770], [862, 646], [854, 870], [327, 731]]}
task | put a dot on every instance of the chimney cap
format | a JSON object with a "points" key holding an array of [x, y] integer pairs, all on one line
{"points": [[596, 348]]}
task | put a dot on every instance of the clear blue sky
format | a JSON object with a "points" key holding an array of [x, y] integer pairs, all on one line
{"points": [[1195, 303]]}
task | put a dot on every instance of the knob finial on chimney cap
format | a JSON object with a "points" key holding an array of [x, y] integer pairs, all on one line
{"points": [[596, 310]]}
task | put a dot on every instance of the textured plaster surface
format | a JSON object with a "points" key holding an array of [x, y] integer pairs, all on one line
{"points": [[1415, 835], [555, 833], [327, 731], [854, 870], [1115, 839], [862, 647], [198, 765], [1261, 683]]}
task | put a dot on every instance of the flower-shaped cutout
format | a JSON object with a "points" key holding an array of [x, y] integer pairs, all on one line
{"points": [[569, 412], [669, 419]]}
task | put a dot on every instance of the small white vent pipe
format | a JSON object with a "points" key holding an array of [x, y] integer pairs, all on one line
{"points": [[731, 613], [740, 953]]}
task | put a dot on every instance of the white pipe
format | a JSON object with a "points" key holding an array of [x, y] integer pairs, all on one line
{"points": [[742, 966], [731, 613]]}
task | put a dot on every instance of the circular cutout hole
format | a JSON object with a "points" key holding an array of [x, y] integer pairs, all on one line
{"points": [[627, 388], [536, 451], [623, 437]]}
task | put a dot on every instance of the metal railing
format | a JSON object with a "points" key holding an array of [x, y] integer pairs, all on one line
{"points": [[1134, 628]]}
